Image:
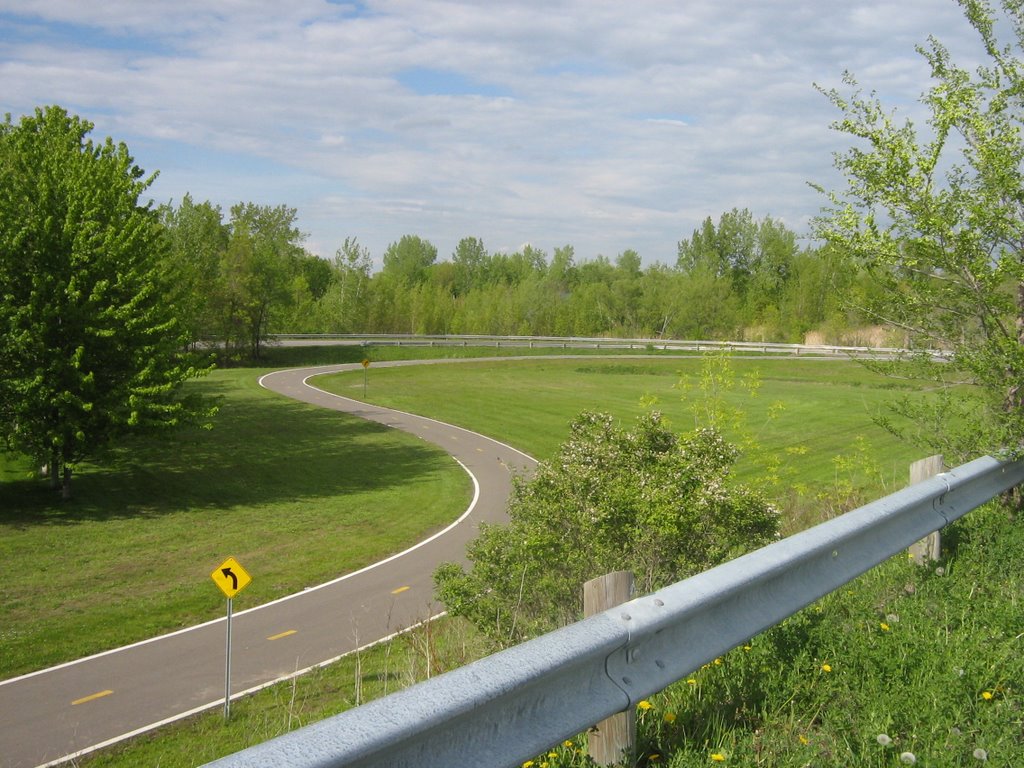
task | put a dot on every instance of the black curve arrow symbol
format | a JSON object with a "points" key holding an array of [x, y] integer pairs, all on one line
{"points": [[228, 573]]}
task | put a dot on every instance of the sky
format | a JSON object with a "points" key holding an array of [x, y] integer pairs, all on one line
{"points": [[604, 125]]}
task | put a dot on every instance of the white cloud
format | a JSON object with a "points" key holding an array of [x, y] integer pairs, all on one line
{"points": [[602, 124]]}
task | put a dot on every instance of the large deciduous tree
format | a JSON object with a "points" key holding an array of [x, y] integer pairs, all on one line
{"points": [[409, 260], [264, 253], [89, 345], [198, 241], [937, 215]]}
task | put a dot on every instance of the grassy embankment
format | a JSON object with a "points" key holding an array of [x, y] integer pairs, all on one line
{"points": [[807, 429], [774, 704], [905, 665], [294, 492]]}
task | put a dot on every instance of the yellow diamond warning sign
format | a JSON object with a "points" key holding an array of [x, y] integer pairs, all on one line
{"points": [[231, 577]]}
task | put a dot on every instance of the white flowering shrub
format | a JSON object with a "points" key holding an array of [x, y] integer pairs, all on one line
{"points": [[643, 499]]}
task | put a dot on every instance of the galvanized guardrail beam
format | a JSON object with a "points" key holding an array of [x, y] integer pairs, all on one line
{"points": [[515, 704], [582, 342]]}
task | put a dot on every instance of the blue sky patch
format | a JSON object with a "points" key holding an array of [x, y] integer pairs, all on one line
{"points": [[15, 28], [437, 82]]}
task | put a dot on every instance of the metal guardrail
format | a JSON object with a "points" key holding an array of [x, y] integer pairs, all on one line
{"points": [[515, 704], [581, 342]]}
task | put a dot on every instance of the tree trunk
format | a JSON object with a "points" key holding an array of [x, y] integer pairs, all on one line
{"points": [[1014, 498], [65, 488], [1014, 399], [54, 472]]}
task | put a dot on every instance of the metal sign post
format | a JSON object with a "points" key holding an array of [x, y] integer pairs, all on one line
{"points": [[231, 578], [227, 668], [366, 365]]}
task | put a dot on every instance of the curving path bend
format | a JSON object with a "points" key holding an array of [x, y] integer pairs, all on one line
{"points": [[51, 716]]}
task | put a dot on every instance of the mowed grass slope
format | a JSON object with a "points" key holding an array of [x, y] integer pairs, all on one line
{"points": [[299, 495], [903, 664], [805, 412]]}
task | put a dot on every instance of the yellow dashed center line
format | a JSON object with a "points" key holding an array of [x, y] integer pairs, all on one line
{"points": [[282, 634], [93, 697], [399, 591]]}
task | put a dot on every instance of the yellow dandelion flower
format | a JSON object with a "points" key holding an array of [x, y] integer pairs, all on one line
{"points": [[567, 743], [653, 757], [670, 717], [691, 681], [747, 647], [826, 667], [718, 757], [804, 740], [552, 754], [884, 626], [718, 661], [644, 704], [986, 695], [528, 764]]}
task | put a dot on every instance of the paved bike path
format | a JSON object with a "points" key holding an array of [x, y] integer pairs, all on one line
{"points": [[50, 716]]}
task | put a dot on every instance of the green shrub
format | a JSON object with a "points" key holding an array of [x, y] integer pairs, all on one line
{"points": [[643, 499]]}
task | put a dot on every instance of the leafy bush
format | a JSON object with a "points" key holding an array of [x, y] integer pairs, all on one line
{"points": [[643, 499]]}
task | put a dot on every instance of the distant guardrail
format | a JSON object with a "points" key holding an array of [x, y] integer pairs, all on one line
{"points": [[583, 342], [511, 706]]}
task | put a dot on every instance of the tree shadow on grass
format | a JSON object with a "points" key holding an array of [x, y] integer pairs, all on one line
{"points": [[262, 450]]}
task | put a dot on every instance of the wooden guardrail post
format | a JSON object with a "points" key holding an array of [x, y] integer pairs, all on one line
{"points": [[927, 549], [612, 740]]}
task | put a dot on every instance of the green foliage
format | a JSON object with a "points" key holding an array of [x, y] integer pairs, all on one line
{"points": [[905, 665], [722, 398], [409, 260], [643, 499], [197, 240], [470, 261], [263, 255], [740, 279], [342, 308], [234, 281], [936, 217], [90, 345]]}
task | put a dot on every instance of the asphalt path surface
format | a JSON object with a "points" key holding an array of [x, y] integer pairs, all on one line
{"points": [[51, 716]]}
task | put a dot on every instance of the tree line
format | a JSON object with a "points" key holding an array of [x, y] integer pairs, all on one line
{"points": [[102, 295], [244, 276]]}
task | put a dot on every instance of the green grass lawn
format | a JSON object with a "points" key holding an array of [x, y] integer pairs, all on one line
{"points": [[814, 416], [940, 680], [295, 493], [286, 488], [902, 662]]}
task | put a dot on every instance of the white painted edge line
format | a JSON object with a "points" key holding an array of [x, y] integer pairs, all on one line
{"points": [[320, 370], [460, 519], [305, 383], [325, 370], [240, 694]]}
